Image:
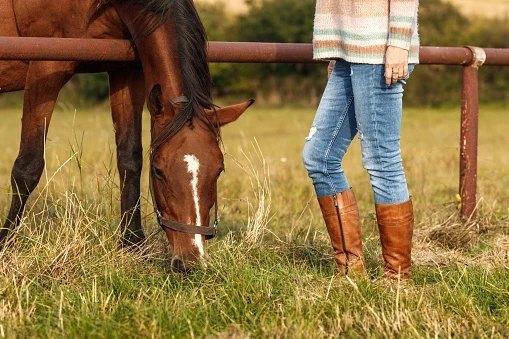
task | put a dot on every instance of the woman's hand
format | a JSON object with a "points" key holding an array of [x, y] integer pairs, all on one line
{"points": [[396, 64]]}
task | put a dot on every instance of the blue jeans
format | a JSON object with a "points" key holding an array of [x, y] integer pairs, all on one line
{"points": [[357, 100]]}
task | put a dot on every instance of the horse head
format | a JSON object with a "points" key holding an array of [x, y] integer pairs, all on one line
{"points": [[184, 170], [186, 158]]}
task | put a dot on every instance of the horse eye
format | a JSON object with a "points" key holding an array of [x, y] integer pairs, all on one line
{"points": [[220, 171], [158, 173]]}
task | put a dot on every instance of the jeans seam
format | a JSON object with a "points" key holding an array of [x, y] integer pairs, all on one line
{"points": [[329, 147], [374, 111], [374, 116]]}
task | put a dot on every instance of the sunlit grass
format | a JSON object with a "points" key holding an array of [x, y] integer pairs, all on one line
{"points": [[270, 273]]}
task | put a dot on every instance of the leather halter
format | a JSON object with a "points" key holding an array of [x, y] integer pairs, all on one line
{"points": [[180, 100], [208, 232]]}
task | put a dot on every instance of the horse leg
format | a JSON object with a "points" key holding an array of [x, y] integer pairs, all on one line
{"points": [[127, 97], [43, 83]]}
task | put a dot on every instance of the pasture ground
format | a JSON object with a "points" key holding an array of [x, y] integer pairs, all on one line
{"points": [[270, 272]]}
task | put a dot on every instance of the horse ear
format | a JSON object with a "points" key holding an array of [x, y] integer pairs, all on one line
{"points": [[154, 102], [228, 114]]}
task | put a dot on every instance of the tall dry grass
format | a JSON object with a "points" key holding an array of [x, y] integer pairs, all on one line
{"points": [[270, 272]]}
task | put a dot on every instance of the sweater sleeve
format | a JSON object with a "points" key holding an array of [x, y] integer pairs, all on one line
{"points": [[402, 22]]}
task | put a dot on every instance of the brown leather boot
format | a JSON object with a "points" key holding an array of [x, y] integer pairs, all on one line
{"points": [[341, 217], [396, 224]]}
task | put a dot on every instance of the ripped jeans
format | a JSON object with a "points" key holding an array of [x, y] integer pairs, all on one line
{"points": [[357, 100]]}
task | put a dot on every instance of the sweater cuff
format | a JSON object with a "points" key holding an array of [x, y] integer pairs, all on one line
{"points": [[398, 42]]}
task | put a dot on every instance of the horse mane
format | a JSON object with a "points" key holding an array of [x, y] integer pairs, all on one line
{"points": [[197, 82], [192, 45]]}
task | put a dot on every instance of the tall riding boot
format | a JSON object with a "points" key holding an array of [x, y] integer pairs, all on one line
{"points": [[341, 216], [396, 223]]}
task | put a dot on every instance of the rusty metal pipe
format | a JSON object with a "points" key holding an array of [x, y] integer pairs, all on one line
{"points": [[264, 52], [66, 49], [468, 142], [469, 132], [497, 56], [444, 55], [30, 48], [260, 52]]}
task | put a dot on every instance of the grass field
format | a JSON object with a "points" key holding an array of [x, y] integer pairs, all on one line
{"points": [[270, 272]]}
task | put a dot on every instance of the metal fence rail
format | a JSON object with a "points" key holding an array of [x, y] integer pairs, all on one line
{"points": [[110, 50]]}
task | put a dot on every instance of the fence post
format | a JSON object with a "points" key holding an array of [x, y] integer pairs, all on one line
{"points": [[469, 133]]}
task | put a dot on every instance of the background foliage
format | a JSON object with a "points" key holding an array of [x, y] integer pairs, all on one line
{"points": [[440, 24]]}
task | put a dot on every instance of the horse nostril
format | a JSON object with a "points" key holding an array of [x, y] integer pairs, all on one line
{"points": [[178, 265]]}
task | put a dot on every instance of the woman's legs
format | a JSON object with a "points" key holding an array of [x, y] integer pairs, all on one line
{"points": [[331, 133], [378, 110], [356, 98]]}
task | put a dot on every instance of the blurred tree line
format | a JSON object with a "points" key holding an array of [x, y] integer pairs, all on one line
{"points": [[440, 24]]}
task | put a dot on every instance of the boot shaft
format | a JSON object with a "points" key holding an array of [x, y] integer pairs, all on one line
{"points": [[341, 216], [395, 224]]}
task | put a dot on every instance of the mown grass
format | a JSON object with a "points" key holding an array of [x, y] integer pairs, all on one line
{"points": [[270, 273]]}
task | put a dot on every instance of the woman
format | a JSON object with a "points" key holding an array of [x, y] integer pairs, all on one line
{"points": [[374, 45]]}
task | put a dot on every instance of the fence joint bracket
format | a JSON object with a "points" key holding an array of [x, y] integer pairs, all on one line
{"points": [[478, 57]]}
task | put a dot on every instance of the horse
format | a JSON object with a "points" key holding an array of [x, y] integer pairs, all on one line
{"points": [[174, 81]]}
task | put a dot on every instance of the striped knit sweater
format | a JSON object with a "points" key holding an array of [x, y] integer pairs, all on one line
{"points": [[359, 31]]}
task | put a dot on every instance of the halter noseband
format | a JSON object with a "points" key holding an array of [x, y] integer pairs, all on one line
{"points": [[208, 232]]}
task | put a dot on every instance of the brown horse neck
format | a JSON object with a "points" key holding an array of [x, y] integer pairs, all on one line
{"points": [[158, 52]]}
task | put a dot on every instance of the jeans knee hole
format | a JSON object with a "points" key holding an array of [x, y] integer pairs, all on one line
{"points": [[312, 132], [360, 135]]}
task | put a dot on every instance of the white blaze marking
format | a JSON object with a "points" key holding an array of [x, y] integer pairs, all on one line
{"points": [[193, 166]]}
